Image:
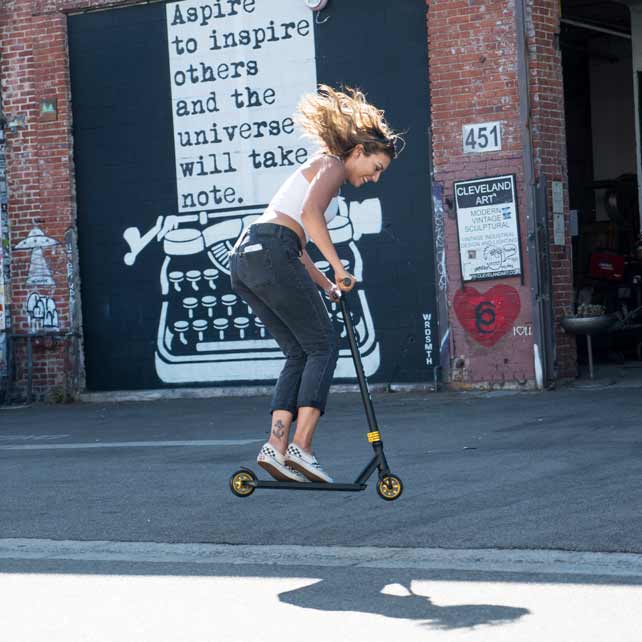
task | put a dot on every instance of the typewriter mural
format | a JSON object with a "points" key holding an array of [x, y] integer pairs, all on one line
{"points": [[205, 332], [236, 77]]}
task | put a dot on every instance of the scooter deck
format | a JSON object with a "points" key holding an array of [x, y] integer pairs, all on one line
{"points": [[286, 485], [292, 485]]}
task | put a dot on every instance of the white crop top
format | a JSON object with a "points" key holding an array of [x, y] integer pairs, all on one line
{"points": [[290, 196]]}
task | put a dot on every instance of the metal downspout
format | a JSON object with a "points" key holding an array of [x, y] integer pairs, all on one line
{"points": [[530, 189]]}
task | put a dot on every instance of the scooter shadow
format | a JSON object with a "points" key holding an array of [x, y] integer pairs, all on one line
{"points": [[361, 592]]}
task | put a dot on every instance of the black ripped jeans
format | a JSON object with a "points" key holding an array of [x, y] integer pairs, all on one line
{"points": [[267, 273]]}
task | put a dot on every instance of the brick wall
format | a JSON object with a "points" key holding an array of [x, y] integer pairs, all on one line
{"points": [[473, 71], [34, 67], [473, 74], [474, 78]]}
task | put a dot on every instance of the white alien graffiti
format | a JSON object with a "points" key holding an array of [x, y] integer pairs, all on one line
{"points": [[39, 271]]}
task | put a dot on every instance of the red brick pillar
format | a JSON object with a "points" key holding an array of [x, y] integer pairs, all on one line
{"points": [[473, 79], [35, 86], [474, 70]]}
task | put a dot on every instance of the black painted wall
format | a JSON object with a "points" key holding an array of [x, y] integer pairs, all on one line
{"points": [[124, 156]]}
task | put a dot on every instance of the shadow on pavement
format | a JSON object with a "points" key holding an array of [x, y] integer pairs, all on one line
{"points": [[390, 594]]}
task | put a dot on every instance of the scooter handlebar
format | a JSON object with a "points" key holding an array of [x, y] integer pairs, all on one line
{"points": [[346, 284]]}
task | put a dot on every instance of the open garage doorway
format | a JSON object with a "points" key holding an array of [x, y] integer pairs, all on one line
{"points": [[596, 40]]}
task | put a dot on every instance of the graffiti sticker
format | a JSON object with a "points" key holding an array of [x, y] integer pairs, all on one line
{"points": [[489, 316]]}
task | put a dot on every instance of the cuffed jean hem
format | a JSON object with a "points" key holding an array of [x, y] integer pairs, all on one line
{"points": [[304, 404], [294, 411], [312, 404]]}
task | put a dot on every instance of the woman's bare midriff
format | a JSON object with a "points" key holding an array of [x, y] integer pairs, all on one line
{"points": [[309, 170], [278, 218]]}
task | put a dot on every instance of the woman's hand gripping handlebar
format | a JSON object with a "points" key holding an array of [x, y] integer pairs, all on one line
{"points": [[346, 282]]}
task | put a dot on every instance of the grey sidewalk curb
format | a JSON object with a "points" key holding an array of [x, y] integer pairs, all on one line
{"points": [[233, 391], [556, 562]]}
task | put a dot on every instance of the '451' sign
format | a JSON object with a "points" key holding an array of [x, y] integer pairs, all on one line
{"points": [[482, 137]]}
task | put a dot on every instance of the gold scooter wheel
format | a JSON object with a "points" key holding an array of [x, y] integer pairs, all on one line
{"points": [[239, 483], [390, 488]]}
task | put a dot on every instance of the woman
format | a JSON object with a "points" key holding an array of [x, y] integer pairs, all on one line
{"points": [[273, 273]]}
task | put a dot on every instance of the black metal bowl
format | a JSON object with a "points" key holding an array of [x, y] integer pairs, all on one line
{"points": [[588, 325]]}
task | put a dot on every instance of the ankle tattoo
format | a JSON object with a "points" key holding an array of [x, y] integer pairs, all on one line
{"points": [[278, 430]]}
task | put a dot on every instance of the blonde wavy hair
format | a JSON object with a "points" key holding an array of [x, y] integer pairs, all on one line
{"points": [[340, 120]]}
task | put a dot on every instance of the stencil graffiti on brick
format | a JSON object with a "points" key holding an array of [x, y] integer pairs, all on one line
{"points": [[39, 270], [525, 330], [41, 313], [70, 242], [2, 294], [489, 316], [440, 238], [4, 256]]}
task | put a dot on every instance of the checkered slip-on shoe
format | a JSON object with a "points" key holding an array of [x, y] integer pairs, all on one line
{"points": [[306, 463], [274, 462]]}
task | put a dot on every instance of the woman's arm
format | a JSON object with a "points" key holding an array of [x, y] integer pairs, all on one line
{"points": [[315, 274], [319, 278], [323, 187]]}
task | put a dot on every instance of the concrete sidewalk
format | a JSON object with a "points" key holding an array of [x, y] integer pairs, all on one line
{"points": [[554, 470]]}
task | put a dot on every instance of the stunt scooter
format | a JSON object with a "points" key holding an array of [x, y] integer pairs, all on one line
{"points": [[389, 487]]}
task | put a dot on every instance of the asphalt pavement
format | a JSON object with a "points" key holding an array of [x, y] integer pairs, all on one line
{"points": [[554, 470]]}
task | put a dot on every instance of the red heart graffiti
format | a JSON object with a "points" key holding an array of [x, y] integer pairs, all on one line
{"points": [[489, 316]]}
